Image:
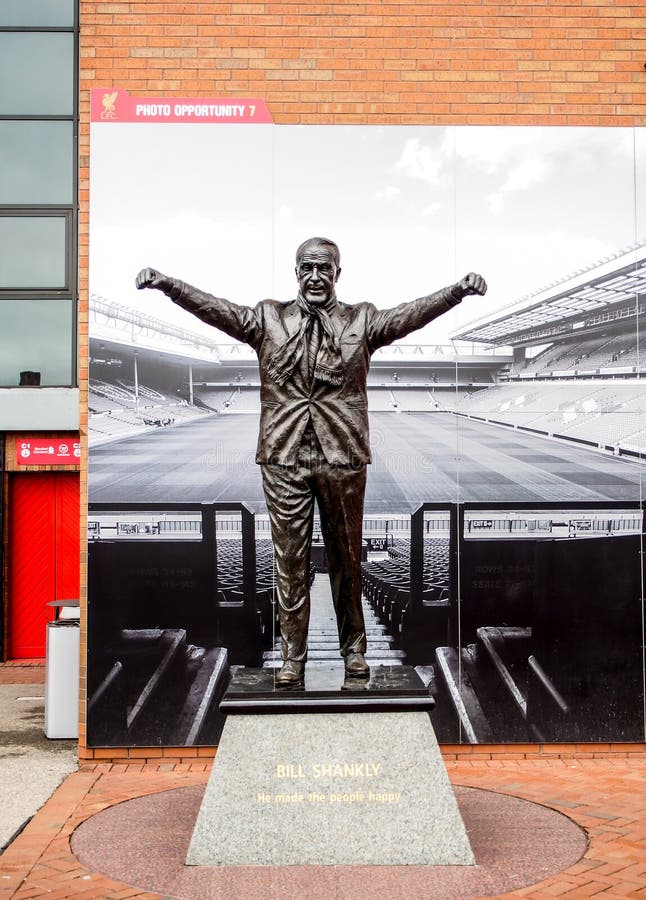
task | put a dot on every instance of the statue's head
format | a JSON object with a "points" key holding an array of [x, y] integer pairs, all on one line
{"points": [[318, 266]]}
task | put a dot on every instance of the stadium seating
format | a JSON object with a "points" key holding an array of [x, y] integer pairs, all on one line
{"points": [[118, 409], [230, 400], [216, 399], [381, 399], [394, 377], [386, 586], [612, 351], [245, 401], [608, 414], [592, 353]]}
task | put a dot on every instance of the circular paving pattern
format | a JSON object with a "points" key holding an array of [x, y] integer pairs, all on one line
{"points": [[143, 843]]}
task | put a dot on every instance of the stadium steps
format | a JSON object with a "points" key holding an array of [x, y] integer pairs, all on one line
{"points": [[323, 638]]}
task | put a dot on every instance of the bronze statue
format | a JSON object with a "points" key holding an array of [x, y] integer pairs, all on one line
{"points": [[314, 354]]}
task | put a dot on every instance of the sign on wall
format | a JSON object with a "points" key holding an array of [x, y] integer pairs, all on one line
{"points": [[48, 451], [118, 106]]}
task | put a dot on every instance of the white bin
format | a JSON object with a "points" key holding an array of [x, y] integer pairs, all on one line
{"points": [[62, 672]]}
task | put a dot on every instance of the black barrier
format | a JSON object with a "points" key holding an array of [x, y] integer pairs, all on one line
{"points": [[539, 634], [164, 624], [546, 623], [586, 625], [526, 622]]}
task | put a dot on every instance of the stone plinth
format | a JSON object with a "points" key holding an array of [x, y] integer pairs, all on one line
{"points": [[329, 788]]}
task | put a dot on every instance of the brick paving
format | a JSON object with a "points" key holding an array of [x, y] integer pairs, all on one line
{"points": [[23, 671], [604, 795], [600, 787]]}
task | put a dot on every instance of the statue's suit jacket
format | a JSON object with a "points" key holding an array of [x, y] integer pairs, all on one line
{"points": [[339, 414]]}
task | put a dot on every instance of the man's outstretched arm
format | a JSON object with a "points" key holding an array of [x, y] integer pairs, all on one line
{"points": [[240, 322], [388, 325]]}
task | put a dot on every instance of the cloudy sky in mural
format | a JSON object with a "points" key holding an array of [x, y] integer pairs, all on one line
{"points": [[413, 208]]}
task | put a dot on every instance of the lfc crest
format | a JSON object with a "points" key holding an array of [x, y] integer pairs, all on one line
{"points": [[109, 102]]}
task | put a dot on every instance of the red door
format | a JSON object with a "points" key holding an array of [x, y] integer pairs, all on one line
{"points": [[43, 554]]}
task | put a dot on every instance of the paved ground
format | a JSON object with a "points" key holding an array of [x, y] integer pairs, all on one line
{"points": [[145, 841], [605, 796], [31, 766], [600, 788]]}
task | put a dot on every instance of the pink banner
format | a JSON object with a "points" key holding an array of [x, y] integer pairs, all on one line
{"points": [[47, 452], [114, 105]]}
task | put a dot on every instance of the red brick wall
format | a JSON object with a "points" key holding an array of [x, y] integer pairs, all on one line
{"points": [[576, 62], [471, 62]]}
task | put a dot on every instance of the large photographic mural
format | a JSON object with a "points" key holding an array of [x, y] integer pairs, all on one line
{"points": [[503, 520]]}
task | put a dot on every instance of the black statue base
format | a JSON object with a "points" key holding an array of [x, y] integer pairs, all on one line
{"points": [[389, 689]]}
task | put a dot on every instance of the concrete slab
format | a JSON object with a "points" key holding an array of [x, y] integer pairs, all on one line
{"points": [[31, 765]]}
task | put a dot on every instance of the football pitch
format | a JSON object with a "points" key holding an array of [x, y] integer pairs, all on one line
{"points": [[417, 457]]}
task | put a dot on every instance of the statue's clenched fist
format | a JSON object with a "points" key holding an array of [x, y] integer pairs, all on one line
{"points": [[470, 284], [151, 278]]}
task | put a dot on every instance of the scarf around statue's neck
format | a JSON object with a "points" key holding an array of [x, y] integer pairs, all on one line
{"points": [[329, 364]]}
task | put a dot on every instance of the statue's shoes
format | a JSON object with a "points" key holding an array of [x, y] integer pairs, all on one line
{"points": [[356, 666], [292, 674]]}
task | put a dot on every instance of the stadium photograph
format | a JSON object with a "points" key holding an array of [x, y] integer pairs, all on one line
{"points": [[503, 522]]}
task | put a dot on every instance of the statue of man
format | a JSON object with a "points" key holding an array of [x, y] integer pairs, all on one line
{"points": [[314, 354]]}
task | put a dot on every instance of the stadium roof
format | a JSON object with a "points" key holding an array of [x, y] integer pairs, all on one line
{"points": [[399, 354], [578, 300], [117, 325]]}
